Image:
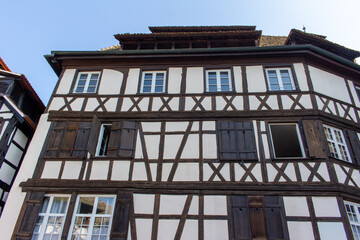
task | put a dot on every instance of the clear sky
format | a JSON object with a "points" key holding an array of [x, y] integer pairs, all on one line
{"points": [[31, 29]]}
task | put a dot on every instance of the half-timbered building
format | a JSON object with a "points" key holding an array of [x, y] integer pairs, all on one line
{"points": [[196, 133], [20, 110]]}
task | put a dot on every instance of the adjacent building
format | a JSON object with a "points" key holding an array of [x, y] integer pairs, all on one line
{"points": [[196, 133], [20, 110]]}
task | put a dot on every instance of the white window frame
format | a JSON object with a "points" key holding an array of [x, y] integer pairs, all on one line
{"points": [[335, 150], [218, 79], [92, 215], [299, 139], [280, 81], [89, 74], [153, 81], [98, 147], [355, 225], [47, 214]]}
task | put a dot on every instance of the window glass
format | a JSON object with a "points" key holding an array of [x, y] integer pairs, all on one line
{"points": [[286, 140], [218, 81], [103, 140], [279, 79], [50, 221], [337, 143], [353, 212], [87, 82], [93, 222], [153, 82]]}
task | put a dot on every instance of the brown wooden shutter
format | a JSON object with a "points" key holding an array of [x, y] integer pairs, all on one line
{"points": [[81, 141], [257, 217], [241, 219], [274, 221], [122, 139], [237, 141], [120, 224], [68, 141], [54, 139], [94, 135], [28, 221], [353, 144], [316, 144]]}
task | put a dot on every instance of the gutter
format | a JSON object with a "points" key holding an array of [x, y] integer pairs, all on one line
{"points": [[55, 56]]}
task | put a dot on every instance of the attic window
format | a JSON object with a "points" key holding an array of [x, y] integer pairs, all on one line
{"points": [[286, 140]]}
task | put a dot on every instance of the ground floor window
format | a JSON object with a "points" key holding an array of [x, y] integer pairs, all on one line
{"points": [[51, 218], [92, 218]]}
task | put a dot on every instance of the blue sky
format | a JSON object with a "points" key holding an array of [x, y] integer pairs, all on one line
{"points": [[31, 29]]}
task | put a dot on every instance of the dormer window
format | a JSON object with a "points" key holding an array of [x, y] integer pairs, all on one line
{"points": [[279, 79], [87, 82], [153, 82], [218, 80]]}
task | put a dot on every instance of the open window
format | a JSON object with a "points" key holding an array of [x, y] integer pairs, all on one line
{"points": [[103, 140], [337, 143], [286, 140]]}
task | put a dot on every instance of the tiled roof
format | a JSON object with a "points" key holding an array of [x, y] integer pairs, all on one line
{"points": [[201, 28], [114, 47], [272, 41]]}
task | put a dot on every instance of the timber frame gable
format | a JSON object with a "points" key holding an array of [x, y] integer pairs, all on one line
{"points": [[184, 162]]}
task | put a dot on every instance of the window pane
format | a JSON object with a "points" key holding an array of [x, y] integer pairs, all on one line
{"points": [[158, 89], [285, 140], [59, 205], [225, 88], [146, 89], [274, 87], [148, 76], [212, 88], [83, 77], [44, 204], [147, 83], [105, 206], [86, 205], [160, 76], [288, 86], [94, 76]]}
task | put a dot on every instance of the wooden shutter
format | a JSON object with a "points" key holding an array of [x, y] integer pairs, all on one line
{"points": [[54, 139], [81, 141], [122, 139], [274, 221], [314, 135], [353, 144], [32, 208], [257, 217], [68, 141], [237, 141], [120, 224], [94, 135], [241, 221]]}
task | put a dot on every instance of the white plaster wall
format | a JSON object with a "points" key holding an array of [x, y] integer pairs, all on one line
{"points": [[255, 78], [14, 154], [143, 228], [216, 230], [71, 170], [300, 230], [191, 148], [174, 82], [329, 84], [296, 206], [110, 82], [66, 81], [6, 173], [20, 138], [152, 146], [132, 81], [187, 172], [56, 103], [195, 80], [237, 79], [120, 171], [16, 196], [209, 146], [354, 94], [215, 205], [51, 169], [326, 207], [144, 203], [99, 170], [331, 230], [190, 230], [139, 172], [301, 76], [172, 145], [172, 204], [176, 126]]}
